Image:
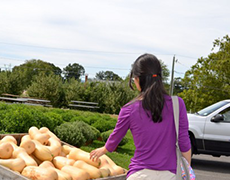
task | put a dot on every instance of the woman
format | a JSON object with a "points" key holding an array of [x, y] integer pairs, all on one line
{"points": [[150, 119]]}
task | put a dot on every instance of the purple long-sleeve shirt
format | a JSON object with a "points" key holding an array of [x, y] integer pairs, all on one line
{"points": [[154, 142]]}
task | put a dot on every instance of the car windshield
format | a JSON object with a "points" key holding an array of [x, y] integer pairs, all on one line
{"points": [[208, 110]]}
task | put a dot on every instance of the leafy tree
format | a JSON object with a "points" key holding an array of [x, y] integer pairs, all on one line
{"points": [[178, 85], [165, 72], [108, 75], [208, 81], [11, 82], [32, 68], [48, 87], [74, 70]]}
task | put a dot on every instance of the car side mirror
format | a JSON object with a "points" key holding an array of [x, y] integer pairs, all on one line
{"points": [[217, 118]]}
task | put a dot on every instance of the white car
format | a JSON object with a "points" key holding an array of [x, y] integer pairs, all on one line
{"points": [[209, 130]]}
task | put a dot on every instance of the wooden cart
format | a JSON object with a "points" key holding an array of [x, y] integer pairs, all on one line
{"points": [[7, 174]]}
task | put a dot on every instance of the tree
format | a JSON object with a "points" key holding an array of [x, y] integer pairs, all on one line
{"points": [[208, 81], [32, 68], [48, 87], [10, 82], [108, 75], [165, 72], [74, 70]]}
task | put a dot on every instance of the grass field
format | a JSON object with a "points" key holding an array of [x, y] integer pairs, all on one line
{"points": [[121, 156]]}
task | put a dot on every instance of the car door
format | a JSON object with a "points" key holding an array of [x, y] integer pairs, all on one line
{"points": [[217, 134]]}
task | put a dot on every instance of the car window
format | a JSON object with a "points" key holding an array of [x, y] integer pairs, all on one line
{"points": [[226, 114], [208, 110]]}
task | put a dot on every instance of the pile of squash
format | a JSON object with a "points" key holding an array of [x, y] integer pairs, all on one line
{"points": [[42, 156]]}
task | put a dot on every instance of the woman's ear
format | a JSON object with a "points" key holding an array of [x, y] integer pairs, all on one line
{"points": [[137, 83]]}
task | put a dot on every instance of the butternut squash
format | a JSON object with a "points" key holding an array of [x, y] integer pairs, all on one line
{"points": [[35, 134], [60, 162], [35, 173], [94, 172], [6, 150], [107, 162], [78, 154], [42, 152], [61, 174], [54, 146], [36, 159], [62, 154], [66, 149], [46, 130], [21, 153], [28, 145], [76, 173], [105, 171], [9, 138], [17, 164], [26, 137]]}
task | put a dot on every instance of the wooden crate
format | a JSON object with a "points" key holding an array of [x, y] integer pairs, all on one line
{"points": [[7, 174]]}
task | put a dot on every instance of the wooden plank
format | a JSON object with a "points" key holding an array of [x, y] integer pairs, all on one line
{"points": [[84, 102], [13, 99], [83, 106], [10, 95]]}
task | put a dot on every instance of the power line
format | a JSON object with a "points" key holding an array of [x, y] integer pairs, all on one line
{"points": [[94, 67], [68, 49]]}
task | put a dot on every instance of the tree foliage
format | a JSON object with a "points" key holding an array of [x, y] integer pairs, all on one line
{"points": [[74, 70], [108, 75], [48, 87], [208, 81], [31, 68]]}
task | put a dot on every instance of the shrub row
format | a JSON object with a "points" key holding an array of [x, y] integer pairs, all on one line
{"points": [[105, 136], [74, 127]]}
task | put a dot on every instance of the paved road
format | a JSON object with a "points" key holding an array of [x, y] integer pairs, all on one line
{"points": [[207, 167]]}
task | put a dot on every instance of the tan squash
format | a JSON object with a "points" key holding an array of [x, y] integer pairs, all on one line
{"points": [[61, 174], [115, 169], [36, 159], [36, 173], [54, 146], [60, 162], [93, 171], [78, 154], [6, 150], [35, 134], [21, 153], [62, 154], [17, 164], [76, 173], [28, 145], [26, 137], [42, 152], [9, 138], [46, 130], [105, 172], [66, 149]]}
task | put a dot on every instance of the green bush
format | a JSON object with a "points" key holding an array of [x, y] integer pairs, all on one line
{"points": [[105, 136], [76, 133], [18, 118], [51, 120], [103, 125]]}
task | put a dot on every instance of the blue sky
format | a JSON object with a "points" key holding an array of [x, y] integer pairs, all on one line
{"points": [[110, 34]]}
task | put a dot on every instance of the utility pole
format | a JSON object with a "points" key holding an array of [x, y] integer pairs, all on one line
{"points": [[172, 77]]}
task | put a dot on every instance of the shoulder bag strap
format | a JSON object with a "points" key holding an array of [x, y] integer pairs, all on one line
{"points": [[180, 161]]}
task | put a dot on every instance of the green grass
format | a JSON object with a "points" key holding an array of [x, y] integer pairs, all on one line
{"points": [[121, 156]]}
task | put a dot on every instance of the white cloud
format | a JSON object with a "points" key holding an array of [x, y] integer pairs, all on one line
{"points": [[181, 27]]}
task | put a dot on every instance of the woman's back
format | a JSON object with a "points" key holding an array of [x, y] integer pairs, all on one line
{"points": [[154, 142]]}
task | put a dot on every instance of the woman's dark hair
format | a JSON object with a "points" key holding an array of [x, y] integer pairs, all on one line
{"points": [[148, 69]]}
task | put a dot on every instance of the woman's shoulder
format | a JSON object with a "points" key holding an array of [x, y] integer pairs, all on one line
{"points": [[132, 103]]}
